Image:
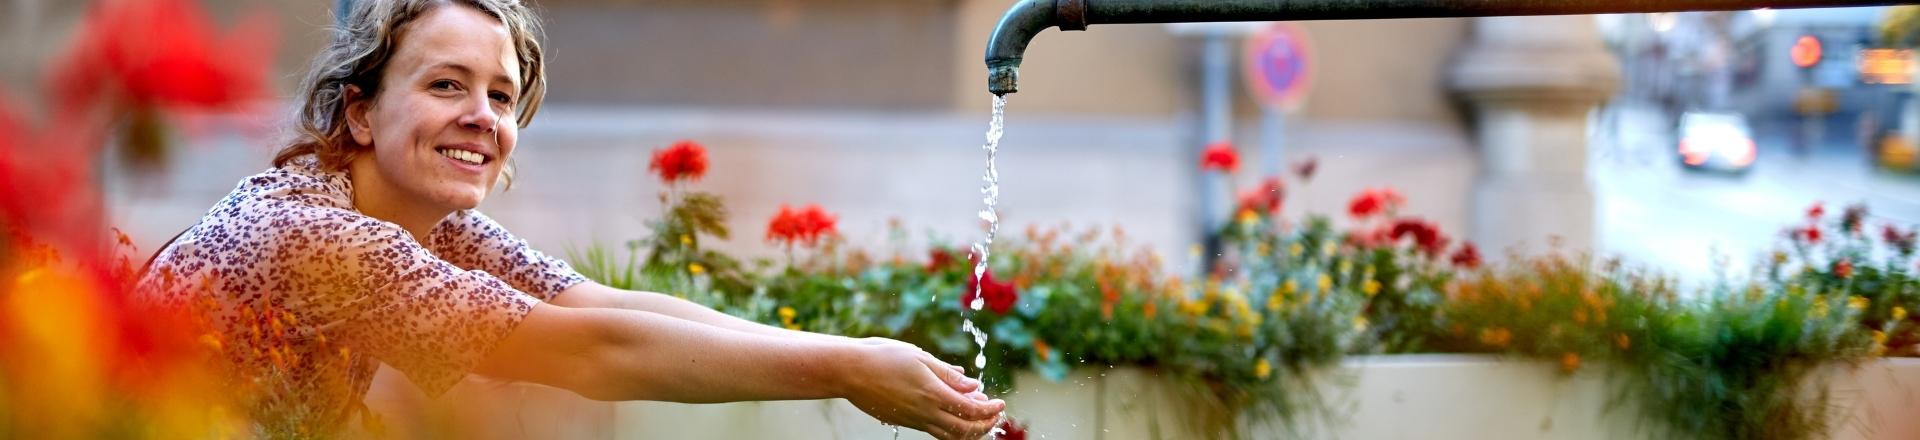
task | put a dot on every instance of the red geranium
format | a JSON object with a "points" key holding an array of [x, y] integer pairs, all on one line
{"points": [[1468, 257], [684, 160], [1809, 234], [1266, 198], [938, 258], [1818, 209], [1304, 169], [1375, 201], [804, 226], [1220, 156], [1843, 268], [1425, 235], [999, 295]]}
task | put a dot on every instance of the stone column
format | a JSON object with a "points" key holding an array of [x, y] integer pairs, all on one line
{"points": [[1532, 83]]}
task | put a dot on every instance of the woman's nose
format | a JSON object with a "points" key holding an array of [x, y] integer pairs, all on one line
{"points": [[480, 115]]}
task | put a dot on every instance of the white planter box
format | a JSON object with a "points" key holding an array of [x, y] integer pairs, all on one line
{"points": [[1385, 397]]}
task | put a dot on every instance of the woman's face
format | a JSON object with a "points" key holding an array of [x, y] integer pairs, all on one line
{"points": [[442, 124]]}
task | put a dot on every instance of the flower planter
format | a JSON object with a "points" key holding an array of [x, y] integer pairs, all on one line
{"points": [[1385, 397]]}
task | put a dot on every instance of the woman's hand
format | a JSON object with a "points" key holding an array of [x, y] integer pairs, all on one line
{"points": [[906, 386]]}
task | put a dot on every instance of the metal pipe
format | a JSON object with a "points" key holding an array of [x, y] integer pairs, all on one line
{"points": [[1028, 17]]}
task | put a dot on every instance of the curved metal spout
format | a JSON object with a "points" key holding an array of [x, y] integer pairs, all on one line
{"points": [[1028, 17]]}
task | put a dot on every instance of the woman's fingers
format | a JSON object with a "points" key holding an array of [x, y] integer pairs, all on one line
{"points": [[955, 379]]}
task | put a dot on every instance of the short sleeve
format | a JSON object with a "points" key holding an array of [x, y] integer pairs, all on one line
{"points": [[474, 241], [377, 291]]}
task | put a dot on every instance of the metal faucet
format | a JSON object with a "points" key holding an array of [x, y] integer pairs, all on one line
{"points": [[1028, 17]]}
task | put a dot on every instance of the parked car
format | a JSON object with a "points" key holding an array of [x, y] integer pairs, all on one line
{"points": [[1715, 141]]}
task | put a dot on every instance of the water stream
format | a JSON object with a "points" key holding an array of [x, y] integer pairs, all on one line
{"points": [[990, 194]]}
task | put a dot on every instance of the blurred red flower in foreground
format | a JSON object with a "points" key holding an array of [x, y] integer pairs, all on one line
{"points": [[1818, 209], [1375, 201], [804, 226], [938, 258], [162, 53], [999, 296], [684, 160], [1220, 156]]}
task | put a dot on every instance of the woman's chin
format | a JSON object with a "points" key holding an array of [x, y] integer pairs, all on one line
{"points": [[462, 198]]}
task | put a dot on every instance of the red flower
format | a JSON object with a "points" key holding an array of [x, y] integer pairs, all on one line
{"points": [[1375, 201], [1809, 234], [1843, 268], [162, 53], [1468, 257], [1818, 209], [1220, 156], [1304, 169], [804, 226], [1901, 241], [1011, 429], [938, 258], [1853, 217], [1266, 198], [684, 160], [999, 296], [1426, 236]]}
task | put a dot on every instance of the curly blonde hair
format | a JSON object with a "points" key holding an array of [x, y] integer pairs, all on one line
{"points": [[362, 47]]}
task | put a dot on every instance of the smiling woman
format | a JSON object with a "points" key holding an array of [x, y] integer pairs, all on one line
{"points": [[361, 246]]}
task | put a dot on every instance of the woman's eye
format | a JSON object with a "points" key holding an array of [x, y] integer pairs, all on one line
{"points": [[501, 97], [445, 85]]}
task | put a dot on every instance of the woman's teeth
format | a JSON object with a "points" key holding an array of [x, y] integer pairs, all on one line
{"points": [[468, 156]]}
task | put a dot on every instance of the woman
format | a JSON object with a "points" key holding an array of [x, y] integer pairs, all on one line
{"points": [[361, 247]]}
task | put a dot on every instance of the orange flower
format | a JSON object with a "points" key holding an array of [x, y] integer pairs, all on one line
{"points": [[1040, 348], [1496, 337], [1569, 362], [1621, 340], [1220, 156], [685, 160]]}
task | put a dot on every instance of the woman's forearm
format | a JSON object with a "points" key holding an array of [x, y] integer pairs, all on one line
{"points": [[647, 356], [596, 295]]}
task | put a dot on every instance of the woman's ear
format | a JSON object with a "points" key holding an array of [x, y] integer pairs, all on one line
{"points": [[358, 103]]}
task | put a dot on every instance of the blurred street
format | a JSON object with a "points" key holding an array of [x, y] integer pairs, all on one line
{"points": [[1655, 213]]}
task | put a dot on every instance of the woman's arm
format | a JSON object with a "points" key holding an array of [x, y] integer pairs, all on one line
{"points": [[595, 295], [617, 354]]}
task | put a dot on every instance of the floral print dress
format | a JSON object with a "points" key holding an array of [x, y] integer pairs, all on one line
{"points": [[306, 296]]}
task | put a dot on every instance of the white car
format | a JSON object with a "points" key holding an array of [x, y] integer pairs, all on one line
{"points": [[1715, 141]]}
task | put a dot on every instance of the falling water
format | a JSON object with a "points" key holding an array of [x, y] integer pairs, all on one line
{"points": [[990, 193]]}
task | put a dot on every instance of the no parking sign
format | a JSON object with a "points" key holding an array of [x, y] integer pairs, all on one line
{"points": [[1276, 66]]}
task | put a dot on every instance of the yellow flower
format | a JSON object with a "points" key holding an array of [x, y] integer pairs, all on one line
{"points": [[1249, 218], [1820, 308], [686, 239], [1275, 301], [1324, 283], [1195, 308], [1879, 337], [1289, 287], [1360, 323], [696, 269], [1263, 249], [1294, 250], [786, 318], [1262, 369], [1370, 288], [1327, 249], [1857, 303], [1346, 267], [1899, 313], [1194, 251]]}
